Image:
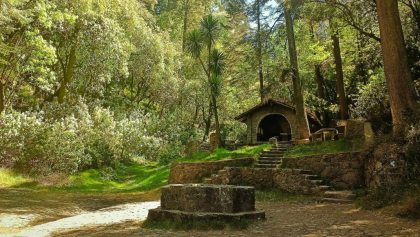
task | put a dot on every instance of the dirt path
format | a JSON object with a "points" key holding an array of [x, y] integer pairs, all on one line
{"points": [[107, 216], [37, 214], [20, 209], [285, 219]]}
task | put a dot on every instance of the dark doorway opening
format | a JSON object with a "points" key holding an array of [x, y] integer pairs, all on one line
{"points": [[274, 125]]}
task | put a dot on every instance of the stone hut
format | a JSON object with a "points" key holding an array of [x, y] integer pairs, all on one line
{"points": [[273, 118]]}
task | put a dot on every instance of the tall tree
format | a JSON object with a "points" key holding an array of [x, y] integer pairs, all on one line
{"points": [[185, 23], [258, 10], [302, 124], [201, 40], [339, 74], [397, 73]]}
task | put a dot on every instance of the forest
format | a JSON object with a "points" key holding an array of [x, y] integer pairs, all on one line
{"points": [[91, 83], [104, 102]]}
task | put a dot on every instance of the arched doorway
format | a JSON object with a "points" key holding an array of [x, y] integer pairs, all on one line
{"points": [[274, 125]]}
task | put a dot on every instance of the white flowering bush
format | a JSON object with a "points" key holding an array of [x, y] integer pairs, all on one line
{"points": [[30, 144], [50, 141]]}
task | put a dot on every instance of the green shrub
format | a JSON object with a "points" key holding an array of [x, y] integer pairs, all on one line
{"points": [[53, 141]]}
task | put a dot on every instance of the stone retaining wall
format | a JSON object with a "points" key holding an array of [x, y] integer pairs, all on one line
{"points": [[386, 167], [342, 171], [286, 179], [182, 173]]}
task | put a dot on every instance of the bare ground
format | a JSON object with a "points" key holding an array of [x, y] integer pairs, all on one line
{"points": [[35, 209], [284, 219]]}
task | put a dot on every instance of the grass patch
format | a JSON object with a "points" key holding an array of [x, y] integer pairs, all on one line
{"points": [[278, 195], [10, 179], [223, 154], [327, 147], [196, 224], [124, 178]]}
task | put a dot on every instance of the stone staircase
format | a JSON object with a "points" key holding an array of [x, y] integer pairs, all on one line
{"points": [[328, 194], [272, 159]]}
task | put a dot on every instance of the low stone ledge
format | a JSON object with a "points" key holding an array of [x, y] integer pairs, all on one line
{"points": [[180, 216], [290, 180], [183, 173]]}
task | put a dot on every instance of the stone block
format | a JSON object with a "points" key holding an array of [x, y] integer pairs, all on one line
{"points": [[208, 198], [192, 147]]}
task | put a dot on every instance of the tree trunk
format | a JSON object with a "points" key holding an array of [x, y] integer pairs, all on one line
{"points": [[68, 75], [216, 119], [207, 121], [342, 98], [259, 52], [302, 125], [397, 73], [185, 27], [2, 99]]}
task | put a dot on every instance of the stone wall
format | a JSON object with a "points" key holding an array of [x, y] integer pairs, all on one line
{"points": [[386, 167], [342, 171], [182, 173], [286, 179]]}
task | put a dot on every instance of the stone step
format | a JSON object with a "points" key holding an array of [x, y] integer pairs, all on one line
{"points": [[311, 176], [335, 200], [267, 161], [222, 172], [266, 166], [279, 149], [348, 195], [272, 152], [317, 181], [270, 158], [271, 155], [323, 188], [302, 171]]}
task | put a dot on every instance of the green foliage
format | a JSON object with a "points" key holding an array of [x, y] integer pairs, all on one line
{"points": [[134, 79], [42, 143], [372, 102], [322, 148]]}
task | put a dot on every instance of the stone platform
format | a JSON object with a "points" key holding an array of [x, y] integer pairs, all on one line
{"points": [[201, 202]]}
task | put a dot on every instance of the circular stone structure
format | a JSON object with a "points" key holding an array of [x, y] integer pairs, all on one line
{"points": [[201, 202]]}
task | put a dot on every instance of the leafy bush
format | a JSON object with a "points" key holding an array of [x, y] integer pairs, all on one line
{"points": [[31, 144], [372, 103], [73, 138]]}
